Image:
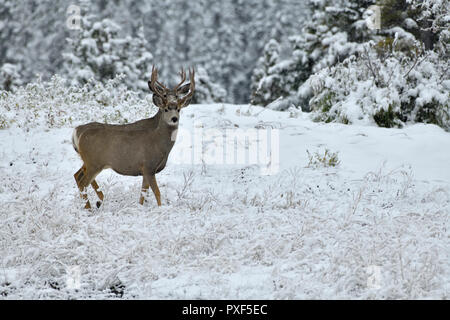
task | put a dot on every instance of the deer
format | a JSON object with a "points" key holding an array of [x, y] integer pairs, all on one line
{"points": [[140, 148]]}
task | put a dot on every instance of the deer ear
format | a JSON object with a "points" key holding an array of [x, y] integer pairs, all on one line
{"points": [[184, 89], [158, 101]]}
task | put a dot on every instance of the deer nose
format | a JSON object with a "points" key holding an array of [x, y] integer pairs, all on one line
{"points": [[174, 119]]}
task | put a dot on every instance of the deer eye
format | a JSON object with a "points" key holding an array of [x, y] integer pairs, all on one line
{"points": [[166, 110]]}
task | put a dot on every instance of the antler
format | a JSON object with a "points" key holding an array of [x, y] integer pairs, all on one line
{"points": [[183, 78], [154, 83], [191, 86]]}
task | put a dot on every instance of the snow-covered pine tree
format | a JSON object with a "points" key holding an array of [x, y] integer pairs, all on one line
{"points": [[400, 77], [221, 51], [135, 62], [423, 19], [206, 90], [171, 36], [98, 51], [92, 51], [9, 68], [226, 38], [335, 31], [10, 77], [8, 29], [32, 36], [265, 81]]}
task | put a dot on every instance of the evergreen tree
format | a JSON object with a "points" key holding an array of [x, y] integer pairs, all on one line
{"points": [[265, 81], [10, 77], [206, 91], [335, 31], [226, 38], [32, 36], [99, 52], [425, 20]]}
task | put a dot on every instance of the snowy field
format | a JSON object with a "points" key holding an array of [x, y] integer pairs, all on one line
{"points": [[374, 227]]}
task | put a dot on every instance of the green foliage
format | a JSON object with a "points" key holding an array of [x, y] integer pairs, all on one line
{"points": [[327, 159], [435, 113], [4, 123], [325, 103], [388, 47], [392, 12], [390, 83], [387, 118], [384, 47], [322, 106], [424, 20]]}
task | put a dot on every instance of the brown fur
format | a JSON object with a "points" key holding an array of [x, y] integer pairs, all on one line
{"points": [[137, 149]]}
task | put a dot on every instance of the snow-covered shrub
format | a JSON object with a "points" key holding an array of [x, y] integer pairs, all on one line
{"points": [[54, 104], [384, 85], [327, 159], [207, 91]]}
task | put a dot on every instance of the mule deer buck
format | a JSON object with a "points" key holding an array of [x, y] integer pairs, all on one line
{"points": [[136, 149]]}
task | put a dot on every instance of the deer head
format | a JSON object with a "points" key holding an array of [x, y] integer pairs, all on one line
{"points": [[170, 101]]}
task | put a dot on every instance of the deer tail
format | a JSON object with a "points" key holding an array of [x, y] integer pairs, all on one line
{"points": [[75, 140]]}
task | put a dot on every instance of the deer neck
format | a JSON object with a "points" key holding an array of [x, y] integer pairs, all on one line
{"points": [[166, 133]]}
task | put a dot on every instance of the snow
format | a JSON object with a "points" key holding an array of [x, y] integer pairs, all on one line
{"points": [[350, 89], [410, 23], [374, 227]]}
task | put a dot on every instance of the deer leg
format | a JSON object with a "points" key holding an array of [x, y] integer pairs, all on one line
{"points": [[155, 189], [145, 186], [85, 197], [78, 176], [99, 193], [86, 178]]}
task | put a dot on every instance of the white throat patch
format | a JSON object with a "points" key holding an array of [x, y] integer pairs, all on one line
{"points": [[173, 137]]}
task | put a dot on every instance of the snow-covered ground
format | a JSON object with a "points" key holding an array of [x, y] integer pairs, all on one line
{"points": [[374, 227]]}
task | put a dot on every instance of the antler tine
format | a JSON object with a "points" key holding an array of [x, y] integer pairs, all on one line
{"points": [[191, 86], [162, 86], [154, 81], [183, 78], [191, 78], [193, 73]]}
